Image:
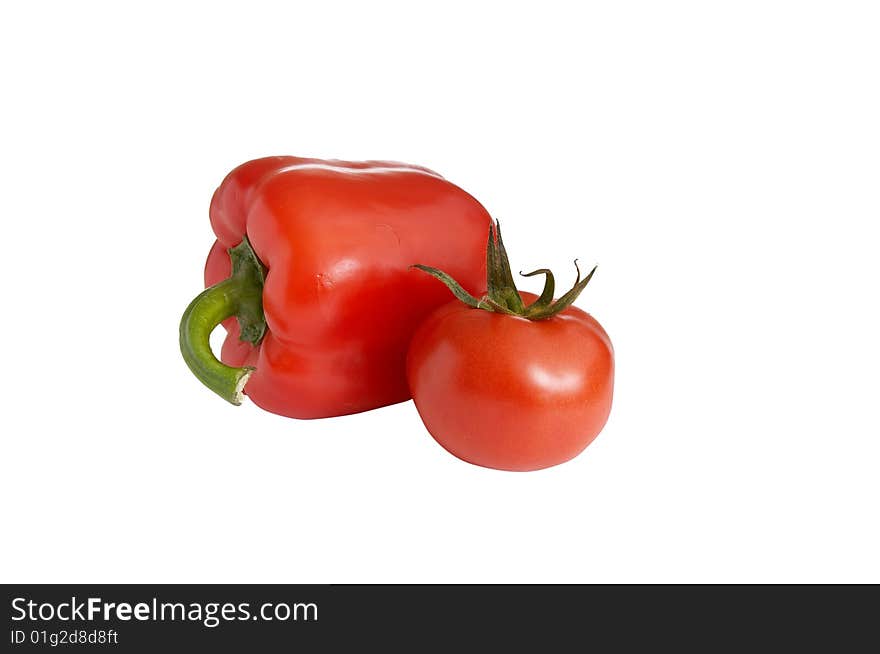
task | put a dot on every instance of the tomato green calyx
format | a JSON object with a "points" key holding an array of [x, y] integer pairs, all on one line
{"points": [[502, 295], [240, 295]]}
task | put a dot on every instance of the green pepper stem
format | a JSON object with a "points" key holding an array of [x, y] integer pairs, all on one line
{"points": [[241, 295], [209, 309]]}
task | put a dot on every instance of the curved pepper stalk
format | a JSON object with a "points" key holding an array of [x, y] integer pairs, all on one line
{"points": [[241, 295]]}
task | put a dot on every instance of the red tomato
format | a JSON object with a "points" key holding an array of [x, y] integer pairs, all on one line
{"points": [[505, 392]]}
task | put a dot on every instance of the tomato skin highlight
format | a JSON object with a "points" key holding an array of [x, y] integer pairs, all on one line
{"points": [[505, 392]]}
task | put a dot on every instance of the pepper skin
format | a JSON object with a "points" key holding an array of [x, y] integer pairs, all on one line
{"points": [[336, 241]]}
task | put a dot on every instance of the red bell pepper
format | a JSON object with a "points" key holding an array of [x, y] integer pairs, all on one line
{"points": [[311, 276]]}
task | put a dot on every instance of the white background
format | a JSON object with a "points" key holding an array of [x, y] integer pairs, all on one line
{"points": [[719, 161]]}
